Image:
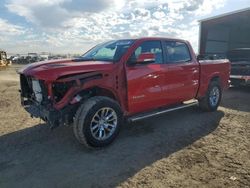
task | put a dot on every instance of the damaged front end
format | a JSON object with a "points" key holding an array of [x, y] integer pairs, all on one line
{"points": [[54, 102]]}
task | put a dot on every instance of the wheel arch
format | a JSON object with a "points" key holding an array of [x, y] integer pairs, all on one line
{"points": [[99, 91], [205, 85], [215, 78]]}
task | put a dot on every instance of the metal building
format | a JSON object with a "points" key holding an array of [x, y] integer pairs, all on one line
{"points": [[225, 32]]}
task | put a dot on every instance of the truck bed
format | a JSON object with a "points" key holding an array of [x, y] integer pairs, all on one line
{"points": [[210, 69]]}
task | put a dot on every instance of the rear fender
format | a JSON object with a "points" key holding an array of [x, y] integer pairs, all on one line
{"points": [[205, 84]]}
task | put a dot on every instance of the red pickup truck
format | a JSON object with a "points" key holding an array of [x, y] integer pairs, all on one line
{"points": [[121, 80]]}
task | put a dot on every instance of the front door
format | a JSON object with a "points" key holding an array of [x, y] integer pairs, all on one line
{"points": [[144, 81]]}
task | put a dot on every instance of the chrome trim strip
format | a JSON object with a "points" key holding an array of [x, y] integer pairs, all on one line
{"points": [[161, 112]]}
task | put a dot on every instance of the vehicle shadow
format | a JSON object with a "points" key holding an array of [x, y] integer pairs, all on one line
{"points": [[38, 157], [233, 97]]}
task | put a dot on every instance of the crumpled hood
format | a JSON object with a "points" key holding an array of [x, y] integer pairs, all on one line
{"points": [[52, 70]]}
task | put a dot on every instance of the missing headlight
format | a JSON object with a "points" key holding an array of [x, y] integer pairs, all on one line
{"points": [[60, 89]]}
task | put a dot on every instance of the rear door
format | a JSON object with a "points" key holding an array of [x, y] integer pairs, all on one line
{"points": [[144, 81], [182, 73]]}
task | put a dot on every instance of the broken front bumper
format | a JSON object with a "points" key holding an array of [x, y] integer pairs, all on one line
{"points": [[51, 116]]}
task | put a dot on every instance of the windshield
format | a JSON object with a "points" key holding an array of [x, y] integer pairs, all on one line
{"points": [[108, 51]]}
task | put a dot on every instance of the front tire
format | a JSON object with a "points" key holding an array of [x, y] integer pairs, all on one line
{"points": [[97, 122], [211, 100]]}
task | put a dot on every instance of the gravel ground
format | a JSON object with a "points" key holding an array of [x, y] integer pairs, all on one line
{"points": [[186, 148]]}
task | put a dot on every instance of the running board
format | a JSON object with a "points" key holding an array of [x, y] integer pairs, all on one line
{"points": [[161, 111]]}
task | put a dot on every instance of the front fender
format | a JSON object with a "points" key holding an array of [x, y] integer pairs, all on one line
{"points": [[85, 82]]}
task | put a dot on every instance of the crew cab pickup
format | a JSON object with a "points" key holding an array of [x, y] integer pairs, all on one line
{"points": [[121, 80], [240, 66]]}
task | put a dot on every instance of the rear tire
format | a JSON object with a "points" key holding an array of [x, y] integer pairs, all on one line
{"points": [[97, 122], [211, 100]]}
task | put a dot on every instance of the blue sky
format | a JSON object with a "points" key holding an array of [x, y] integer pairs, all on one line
{"points": [[73, 26]]}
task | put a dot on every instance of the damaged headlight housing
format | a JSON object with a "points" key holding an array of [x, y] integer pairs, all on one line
{"points": [[60, 89]]}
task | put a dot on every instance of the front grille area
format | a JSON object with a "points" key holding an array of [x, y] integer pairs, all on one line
{"points": [[26, 86], [27, 90]]}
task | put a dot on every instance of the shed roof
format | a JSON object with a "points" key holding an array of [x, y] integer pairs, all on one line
{"points": [[241, 11]]}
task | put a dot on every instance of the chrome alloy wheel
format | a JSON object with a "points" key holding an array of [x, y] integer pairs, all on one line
{"points": [[103, 123], [214, 96]]}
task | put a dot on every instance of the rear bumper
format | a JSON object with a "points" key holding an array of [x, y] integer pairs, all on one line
{"points": [[240, 79]]}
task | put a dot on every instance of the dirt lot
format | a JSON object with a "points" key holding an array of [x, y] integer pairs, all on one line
{"points": [[188, 148]]}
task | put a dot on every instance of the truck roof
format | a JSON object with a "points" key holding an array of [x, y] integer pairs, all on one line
{"points": [[159, 38]]}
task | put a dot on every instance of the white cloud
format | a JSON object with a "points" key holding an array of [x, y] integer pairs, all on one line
{"points": [[7, 29], [52, 13], [67, 25]]}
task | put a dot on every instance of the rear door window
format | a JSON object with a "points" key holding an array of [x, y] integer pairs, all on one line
{"points": [[177, 52]]}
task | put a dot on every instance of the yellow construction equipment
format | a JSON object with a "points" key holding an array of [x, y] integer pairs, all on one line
{"points": [[3, 59]]}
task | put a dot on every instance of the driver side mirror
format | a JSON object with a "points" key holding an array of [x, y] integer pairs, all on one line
{"points": [[146, 58], [143, 58]]}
